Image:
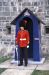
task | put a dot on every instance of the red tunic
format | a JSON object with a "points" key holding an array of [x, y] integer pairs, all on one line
{"points": [[23, 38]]}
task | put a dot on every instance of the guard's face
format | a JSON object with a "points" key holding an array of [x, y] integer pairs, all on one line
{"points": [[22, 28]]}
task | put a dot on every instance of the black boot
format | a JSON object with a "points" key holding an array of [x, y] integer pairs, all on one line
{"points": [[20, 64], [26, 62], [26, 65]]}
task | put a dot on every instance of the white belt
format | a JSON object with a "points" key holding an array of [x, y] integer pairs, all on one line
{"points": [[23, 39]]}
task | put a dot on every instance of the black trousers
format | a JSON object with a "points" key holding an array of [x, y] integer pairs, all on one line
{"points": [[23, 55]]}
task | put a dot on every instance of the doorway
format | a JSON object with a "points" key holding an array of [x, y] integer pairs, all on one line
{"points": [[29, 26]]}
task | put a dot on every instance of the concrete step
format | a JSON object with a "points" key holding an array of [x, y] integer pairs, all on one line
{"points": [[44, 66], [7, 64], [17, 72]]}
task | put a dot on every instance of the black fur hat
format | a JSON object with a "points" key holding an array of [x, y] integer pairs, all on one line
{"points": [[22, 24]]}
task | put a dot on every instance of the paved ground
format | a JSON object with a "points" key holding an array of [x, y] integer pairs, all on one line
{"points": [[44, 66], [13, 69], [7, 64], [17, 72]]}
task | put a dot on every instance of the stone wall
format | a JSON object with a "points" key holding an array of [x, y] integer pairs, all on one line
{"points": [[9, 9]]}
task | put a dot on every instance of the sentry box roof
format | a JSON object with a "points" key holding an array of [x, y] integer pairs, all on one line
{"points": [[29, 12]]}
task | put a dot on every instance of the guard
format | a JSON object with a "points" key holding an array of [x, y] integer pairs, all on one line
{"points": [[22, 40]]}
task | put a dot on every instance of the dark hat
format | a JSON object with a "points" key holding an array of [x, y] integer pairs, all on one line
{"points": [[22, 24]]}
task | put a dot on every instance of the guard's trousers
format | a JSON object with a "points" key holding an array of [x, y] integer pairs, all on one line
{"points": [[23, 55]]}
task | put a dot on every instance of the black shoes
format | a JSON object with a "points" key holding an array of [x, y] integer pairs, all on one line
{"points": [[25, 65], [20, 64]]}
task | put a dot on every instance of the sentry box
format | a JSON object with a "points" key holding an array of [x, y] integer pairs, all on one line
{"points": [[33, 26]]}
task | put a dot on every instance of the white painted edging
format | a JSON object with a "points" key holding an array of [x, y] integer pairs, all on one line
{"points": [[37, 62], [30, 62]]}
